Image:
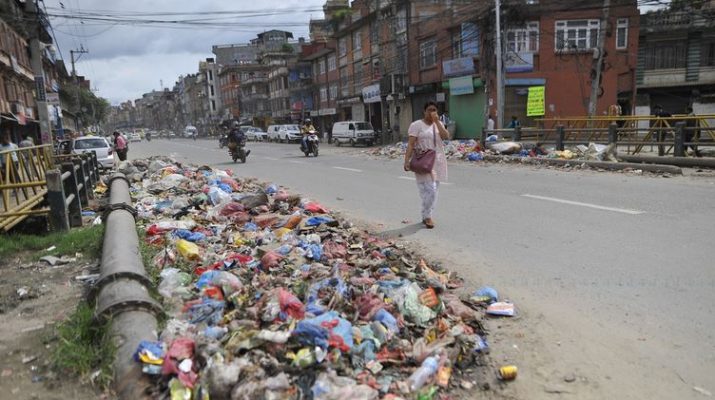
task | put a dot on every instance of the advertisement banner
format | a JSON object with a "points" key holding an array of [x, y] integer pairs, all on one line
{"points": [[519, 62], [458, 67], [461, 85], [535, 102], [371, 94]]}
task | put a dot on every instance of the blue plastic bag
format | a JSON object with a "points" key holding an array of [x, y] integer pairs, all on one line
{"points": [[387, 319], [314, 221], [250, 226], [272, 188], [487, 291], [209, 311], [188, 235]]}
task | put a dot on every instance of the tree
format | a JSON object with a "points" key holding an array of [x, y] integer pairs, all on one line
{"points": [[91, 110]]}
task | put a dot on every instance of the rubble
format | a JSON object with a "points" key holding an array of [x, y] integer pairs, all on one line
{"points": [[270, 295]]}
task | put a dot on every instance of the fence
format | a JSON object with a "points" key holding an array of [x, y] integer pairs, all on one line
{"points": [[670, 135], [29, 178]]}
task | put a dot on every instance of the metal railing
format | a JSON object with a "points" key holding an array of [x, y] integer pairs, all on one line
{"points": [[631, 135]]}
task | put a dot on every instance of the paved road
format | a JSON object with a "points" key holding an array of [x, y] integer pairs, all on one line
{"points": [[613, 274]]}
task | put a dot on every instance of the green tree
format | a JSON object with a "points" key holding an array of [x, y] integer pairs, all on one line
{"points": [[90, 109]]}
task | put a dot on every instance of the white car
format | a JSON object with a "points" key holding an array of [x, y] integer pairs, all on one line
{"points": [[85, 144], [281, 133], [256, 134], [134, 137]]}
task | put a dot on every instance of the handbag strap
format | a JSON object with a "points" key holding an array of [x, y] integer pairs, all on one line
{"points": [[434, 135]]}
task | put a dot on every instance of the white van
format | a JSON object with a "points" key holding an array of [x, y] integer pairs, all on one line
{"points": [[353, 132]]}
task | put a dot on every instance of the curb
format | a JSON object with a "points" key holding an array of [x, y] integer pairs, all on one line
{"points": [[612, 166]]}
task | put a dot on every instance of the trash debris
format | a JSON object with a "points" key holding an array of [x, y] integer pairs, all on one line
{"points": [[507, 373], [270, 295], [501, 308]]}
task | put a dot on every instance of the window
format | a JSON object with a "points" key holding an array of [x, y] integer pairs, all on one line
{"points": [[523, 40], [342, 46], [331, 63], [374, 40], [665, 55], [213, 105], [321, 66], [622, 33], [333, 91], [465, 42], [323, 93], [211, 75], [401, 20], [357, 76], [212, 90], [344, 84], [428, 53], [707, 54], [579, 34]]}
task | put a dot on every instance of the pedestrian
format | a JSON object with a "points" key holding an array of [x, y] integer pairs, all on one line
{"points": [[427, 134], [27, 142], [663, 126], [120, 146], [514, 122], [10, 161], [490, 123], [692, 131]]}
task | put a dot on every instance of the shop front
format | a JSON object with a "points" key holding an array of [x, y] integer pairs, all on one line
{"points": [[467, 101]]}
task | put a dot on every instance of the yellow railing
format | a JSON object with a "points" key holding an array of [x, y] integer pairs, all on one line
{"points": [[22, 183]]}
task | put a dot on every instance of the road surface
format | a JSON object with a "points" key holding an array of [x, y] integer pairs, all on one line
{"points": [[613, 274]]}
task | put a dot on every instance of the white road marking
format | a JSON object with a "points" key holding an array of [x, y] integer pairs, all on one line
{"points": [[297, 162], [578, 203], [271, 158], [348, 169]]}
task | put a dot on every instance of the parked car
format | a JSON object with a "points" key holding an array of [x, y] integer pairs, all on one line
{"points": [[99, 145], [353, 132], [281, 133], [190, 131], [253, 133], [134, 137]]}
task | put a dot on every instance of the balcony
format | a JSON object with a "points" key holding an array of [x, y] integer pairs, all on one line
{"points": [[254, 96], [255, 79], [666, 21]]}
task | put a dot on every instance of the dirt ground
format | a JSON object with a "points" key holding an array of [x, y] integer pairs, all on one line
{"points": [[34, 297]]}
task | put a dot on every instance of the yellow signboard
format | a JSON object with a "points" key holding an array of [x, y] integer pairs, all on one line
{"points": [[535, 102]]}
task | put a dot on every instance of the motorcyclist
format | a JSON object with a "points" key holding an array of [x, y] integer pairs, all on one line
{"points": [[237, 136], [306, 130]]}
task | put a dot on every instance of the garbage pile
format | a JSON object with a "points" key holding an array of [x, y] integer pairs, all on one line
{"points": [[472, 150], [273, 296]]}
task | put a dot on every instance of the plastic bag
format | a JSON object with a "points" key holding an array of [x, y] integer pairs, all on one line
{"points": [[188, 250], [330, 386], [218, 196], [315, 208], [290, 304], [173, 282], [228, 282], [271, 260], [189, 235]]}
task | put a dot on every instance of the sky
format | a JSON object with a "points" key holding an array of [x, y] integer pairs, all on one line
{"points": [[131, 57]]}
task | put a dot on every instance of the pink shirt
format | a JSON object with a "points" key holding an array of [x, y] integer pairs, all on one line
{"points": [[425, 135], [120, 143]]}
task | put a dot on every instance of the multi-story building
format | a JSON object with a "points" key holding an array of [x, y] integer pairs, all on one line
{"points": [[230, 91], [18, 110], [209, 70], [255, 108], [325, 84], [556, 45], [676, 60]]}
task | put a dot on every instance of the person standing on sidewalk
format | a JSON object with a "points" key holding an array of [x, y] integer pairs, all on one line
{"points": [[120, 146], [6, 144], [427, 134]]}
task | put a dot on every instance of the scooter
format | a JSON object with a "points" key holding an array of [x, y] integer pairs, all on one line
{"points": [[148, 137], [311, 144], [237, 151]]}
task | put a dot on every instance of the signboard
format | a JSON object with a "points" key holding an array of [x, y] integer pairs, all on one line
{"points": [[40, 91], [328, 111], [535, 101], [314, 113], [371, 94], [519, 62], [461, 85], [440, 97], [53, 98], [458, 67]]}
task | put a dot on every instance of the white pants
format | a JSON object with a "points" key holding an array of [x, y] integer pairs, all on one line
{"points": [[428, 194]]}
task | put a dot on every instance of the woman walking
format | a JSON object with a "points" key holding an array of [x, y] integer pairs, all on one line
{"points": [[424, 135]]}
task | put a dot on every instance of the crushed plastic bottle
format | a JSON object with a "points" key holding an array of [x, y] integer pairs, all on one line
{"points": [[423, 374]]}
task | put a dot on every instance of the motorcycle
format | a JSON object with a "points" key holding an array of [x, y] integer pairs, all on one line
{"points": [[311, 144], [237, 151], [148, 137], [222, 141]]}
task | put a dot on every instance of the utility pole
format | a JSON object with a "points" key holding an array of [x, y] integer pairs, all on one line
{"points": [[500, 77], [76, 81], [36, 49], [598, 61]]}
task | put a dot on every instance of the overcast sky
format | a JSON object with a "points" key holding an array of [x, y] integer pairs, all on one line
{"points": [[127, 60]]}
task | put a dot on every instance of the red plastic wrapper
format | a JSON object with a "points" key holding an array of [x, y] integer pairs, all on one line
{"points": [[333, 250], [368, 305], [271, 260], [265, 220], [231, 208], [290, 304], [213, 292], [315, 207], [180, 349]]}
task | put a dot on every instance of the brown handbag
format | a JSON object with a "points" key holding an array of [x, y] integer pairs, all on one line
{"points": [[422, 162]]}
